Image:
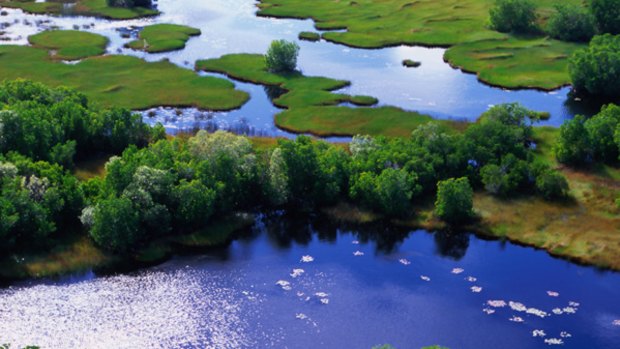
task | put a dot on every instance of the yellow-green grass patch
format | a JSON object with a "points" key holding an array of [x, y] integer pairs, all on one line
{"points": [[446, 23], [70, 44], [98, 8], [163, 38], [122, 81]]}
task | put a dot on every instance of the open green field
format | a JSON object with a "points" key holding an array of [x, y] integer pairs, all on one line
{"points": [[70, 44], [163, 38], [120, 81], [98, 8], [310, 105], [499, 59]]}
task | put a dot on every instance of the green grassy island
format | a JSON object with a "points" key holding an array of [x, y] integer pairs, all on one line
{"points": [[506, 60], [114, 80], [97, 8], [163, 38]]}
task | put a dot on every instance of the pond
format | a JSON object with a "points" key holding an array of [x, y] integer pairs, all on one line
{"points": [[299, 282], [231, 26]]}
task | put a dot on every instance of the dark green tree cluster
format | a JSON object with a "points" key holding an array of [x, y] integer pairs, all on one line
{"points": [[37, 199], [595, 70], [586, 141], [607, 14], [571, 23], [58, 124], [513, 16]]}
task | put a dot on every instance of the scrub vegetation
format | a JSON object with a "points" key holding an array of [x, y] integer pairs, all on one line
{"points": [[154, 197], [506, 59], [98, 8], [114, 80], [163, 38]]}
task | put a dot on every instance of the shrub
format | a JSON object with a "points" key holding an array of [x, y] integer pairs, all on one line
{"points": [[282, 56], [552, 185], [573, 146], [595, 70], [571, 23], [601, 129], [607, 14], [454, 200], [517, 16]]}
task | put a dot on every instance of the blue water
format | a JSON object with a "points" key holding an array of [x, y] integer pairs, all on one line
{"points": [[229, 298]]}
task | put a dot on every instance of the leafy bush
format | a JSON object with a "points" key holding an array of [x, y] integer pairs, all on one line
{"points": [[571, 23], [595, 70], [455, 200], [282, 56], [552, 185], [607, 14], [517, 16]]}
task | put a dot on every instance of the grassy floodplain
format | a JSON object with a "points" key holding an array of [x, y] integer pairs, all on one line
{"points": [[163, 38], [70, 44], [310, 105], [498, 59], [116, 80], [98, 8]]}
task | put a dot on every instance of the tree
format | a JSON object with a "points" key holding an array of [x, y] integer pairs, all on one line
{"points": [[573, 146], [552, 185], [595, 70], [394, 190], [115, 225], [454, 202], [571, 23], [507, 177], [601, 128], [607, 14], [282, 56], [517, 16], [195, 203], [278, 191]]}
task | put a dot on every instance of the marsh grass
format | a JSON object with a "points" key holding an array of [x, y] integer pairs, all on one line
{"points": [[98, 8], [498, 59], [120, 81], [163, 38], [70, 44]]}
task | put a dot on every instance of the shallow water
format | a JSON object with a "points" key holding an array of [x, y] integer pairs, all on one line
{"points": [[231, 26], [297, 283]]}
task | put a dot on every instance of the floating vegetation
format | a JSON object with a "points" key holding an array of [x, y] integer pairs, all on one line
{"points": [[569, 310], [516, 306], [358, 253], [425, 278], [297, 272], [565, 334], [476, 289], [301, 316], [537, 312], [471, 279], [557, 311], [321, 294], [573, 304], [553, 294], [404, 261], [324, 300], [286, 286], [307, 259], [616, 323], [457, 271], [355, 242]]}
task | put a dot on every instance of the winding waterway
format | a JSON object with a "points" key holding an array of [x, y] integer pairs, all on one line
{"points": [[231, 26], [292, 282]]}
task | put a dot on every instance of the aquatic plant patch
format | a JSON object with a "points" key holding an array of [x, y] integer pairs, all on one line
{"points": [[163, 38], [97, 8]]}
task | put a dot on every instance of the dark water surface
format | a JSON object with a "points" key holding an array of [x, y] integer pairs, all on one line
{"points": [[362, 288]]}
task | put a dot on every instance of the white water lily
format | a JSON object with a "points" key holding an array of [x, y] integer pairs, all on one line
{"points": [[321, 294], [557, 311], [573, 304], [425, 278], [307, 259], [616, 323], [476, 289], [488, 311], [457, 271], [286, 286], [497, 303], [355, 242], [553, 294], [554, 341], [569, 310], [324, 300], [565, 334], [516, 319], [358, 253], [516, 306], [471, 279], [538, 333], [301, 316], [537, 312], [404, 261], [297, 272]]}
